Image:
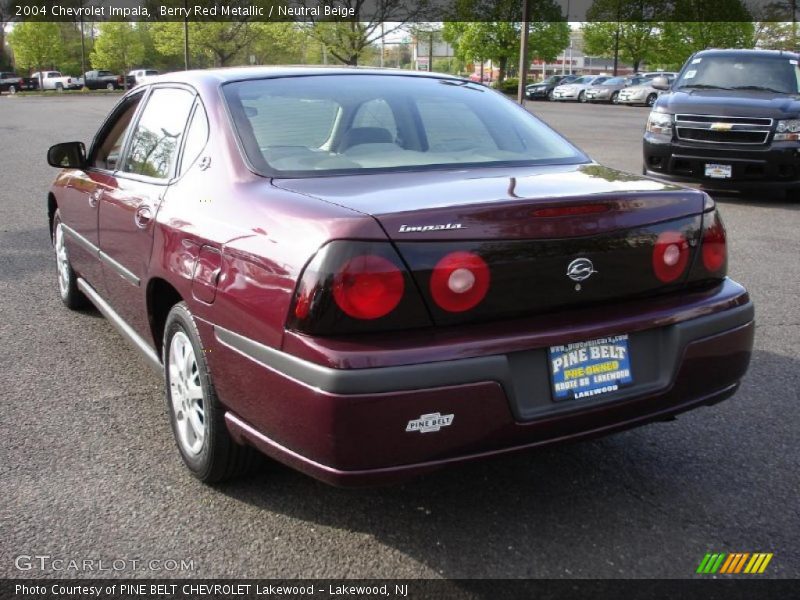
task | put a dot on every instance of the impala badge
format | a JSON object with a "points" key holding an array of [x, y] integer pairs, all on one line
{"points": [[430, 423], [580, 269]]}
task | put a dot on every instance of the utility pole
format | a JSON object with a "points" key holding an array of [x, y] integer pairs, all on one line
{"points": [[383, 43], [523, 54], [616, 49]]}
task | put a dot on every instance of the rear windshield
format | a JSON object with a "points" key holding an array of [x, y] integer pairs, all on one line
{"points": [[767, 73], [323, 124]]}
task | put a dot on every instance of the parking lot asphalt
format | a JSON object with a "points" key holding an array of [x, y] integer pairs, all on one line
{"points": [[88, 468]]}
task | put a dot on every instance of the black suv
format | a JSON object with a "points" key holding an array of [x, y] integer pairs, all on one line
{"points": [[731, 121]]}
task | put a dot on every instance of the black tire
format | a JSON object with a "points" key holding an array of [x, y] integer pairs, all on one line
{"points": [[615, 98], [59, 87], [582, 96], [551, 96], [68, 290], [110, 87], [12, 89], [220, 457], [651, 99]]}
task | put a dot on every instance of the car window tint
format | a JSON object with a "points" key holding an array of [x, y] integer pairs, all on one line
{"points": [[449, 125], [108, 149], [196, 138], [376, 113], [290, 121], [155, 142]]}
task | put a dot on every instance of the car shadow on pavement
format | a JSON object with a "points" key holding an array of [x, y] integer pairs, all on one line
{"points": [[622, 501]]}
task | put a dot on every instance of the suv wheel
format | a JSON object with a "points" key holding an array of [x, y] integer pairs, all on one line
{"points": [[197, 419]]}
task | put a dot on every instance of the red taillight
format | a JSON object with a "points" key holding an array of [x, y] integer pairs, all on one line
{"points": [[715, 251], [368, 287], [459, 281], [670, 256]]}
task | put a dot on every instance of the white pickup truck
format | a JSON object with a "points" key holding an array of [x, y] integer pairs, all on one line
{"points": [[54, 80]]}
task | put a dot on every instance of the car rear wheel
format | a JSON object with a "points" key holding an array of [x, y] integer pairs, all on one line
{"points": [[551, 95], [582, 97], [651, 99], [68, 290], [12, 89], [615, 98], [196, 416], [110, 86]]}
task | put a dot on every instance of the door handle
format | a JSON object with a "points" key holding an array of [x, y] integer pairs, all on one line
{"points": [[94, 197], [142, 217]]}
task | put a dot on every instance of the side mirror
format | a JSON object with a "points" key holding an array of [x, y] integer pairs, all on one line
{"points": [[660, 83], [69, 155]]}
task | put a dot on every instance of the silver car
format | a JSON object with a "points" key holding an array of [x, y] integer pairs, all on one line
{"points": [[576, 90], [609, 90], [641, 94]]}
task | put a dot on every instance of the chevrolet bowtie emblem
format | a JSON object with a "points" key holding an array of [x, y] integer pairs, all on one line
{"points": [[721, 126]]}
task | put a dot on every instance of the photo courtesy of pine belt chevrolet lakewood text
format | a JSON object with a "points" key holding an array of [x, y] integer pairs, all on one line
{"points": [[368, 274]]}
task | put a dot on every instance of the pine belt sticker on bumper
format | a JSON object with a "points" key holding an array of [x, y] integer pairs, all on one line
{"points": [[586, 369], [430, 422]]}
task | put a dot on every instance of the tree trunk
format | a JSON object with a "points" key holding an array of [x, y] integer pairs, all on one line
{"points": [[501, 71]]}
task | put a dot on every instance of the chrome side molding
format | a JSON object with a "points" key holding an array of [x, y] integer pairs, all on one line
{"points": [[125, 329]]}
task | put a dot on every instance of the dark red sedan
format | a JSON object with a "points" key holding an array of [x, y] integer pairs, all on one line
{"points": [[369, 274]]}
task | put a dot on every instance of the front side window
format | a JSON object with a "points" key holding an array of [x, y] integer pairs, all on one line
{"points": [[157, 138], [321, 124], [108, 147]]}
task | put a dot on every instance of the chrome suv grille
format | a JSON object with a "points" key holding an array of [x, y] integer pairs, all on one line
{"points": [[723, 130]]}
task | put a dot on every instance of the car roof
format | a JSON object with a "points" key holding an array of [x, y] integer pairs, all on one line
{"points": [[220, 76]]}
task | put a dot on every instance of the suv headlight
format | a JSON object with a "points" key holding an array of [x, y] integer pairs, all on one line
{"points": [[660, 124], [788, 130]]}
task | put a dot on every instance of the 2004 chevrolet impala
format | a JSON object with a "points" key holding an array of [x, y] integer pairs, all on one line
{"points": [[369, 274]]}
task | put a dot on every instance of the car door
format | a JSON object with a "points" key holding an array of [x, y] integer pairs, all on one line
{"points": [[79, 199], [128, 209]]}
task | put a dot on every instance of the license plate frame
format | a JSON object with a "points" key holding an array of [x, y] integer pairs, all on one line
{"points": [[589, 369], [718, 171]]}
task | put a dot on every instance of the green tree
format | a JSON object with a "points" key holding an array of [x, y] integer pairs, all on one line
{"points": [[680, 39], [36, 46], [5, 17], [118, 48], [497, 41], [211, 43], [278, 43]]}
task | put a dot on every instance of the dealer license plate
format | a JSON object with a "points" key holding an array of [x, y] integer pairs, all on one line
{"points": [[587, 369], [718, 171]]}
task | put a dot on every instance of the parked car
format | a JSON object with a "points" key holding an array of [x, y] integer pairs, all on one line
{"points": [[544, 89], [731, 120], [654, 74], [54, 80], [576, 90], [644, 93], [98, 80], [13, 83], [609, 90], [364, 296], [141, 76]]}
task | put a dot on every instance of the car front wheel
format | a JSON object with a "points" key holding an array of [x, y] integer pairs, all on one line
{"points": [[615, 98], [196, 416], [582, 97], [651, 99], [71, 296]]}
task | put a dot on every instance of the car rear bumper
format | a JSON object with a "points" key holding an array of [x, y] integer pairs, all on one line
{"points": [[770, 167], [349, 426]]}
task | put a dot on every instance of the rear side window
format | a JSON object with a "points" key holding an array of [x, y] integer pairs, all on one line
{"points": [[196, 138], [158, 135]]}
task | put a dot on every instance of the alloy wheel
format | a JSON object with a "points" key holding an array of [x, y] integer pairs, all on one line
{"points": [[62, 262], [186, 394]]}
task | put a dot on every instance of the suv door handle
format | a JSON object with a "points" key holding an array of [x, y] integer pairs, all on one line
{"points": [[142, 217]]}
